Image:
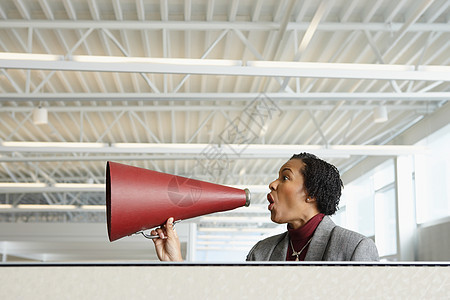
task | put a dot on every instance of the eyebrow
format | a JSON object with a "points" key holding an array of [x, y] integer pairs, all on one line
{"points": [[286, 169]]}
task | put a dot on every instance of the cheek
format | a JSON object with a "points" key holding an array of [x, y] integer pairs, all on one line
{"points": [[294, 195]]}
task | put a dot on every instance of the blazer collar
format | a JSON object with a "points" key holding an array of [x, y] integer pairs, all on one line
{"points": [[316, 248], [320, 240], [280, 250]]}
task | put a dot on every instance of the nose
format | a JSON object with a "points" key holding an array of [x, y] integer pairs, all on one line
{"points": [[273, 185]]}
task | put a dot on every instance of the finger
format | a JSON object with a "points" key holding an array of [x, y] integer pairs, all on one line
{"points": [[170, 228], [161, 232], [155, 240]]}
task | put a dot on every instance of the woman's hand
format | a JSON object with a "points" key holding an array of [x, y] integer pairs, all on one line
{"points": [[167, 246]]}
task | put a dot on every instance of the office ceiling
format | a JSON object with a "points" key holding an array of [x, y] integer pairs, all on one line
{"points": [[218, 90]]}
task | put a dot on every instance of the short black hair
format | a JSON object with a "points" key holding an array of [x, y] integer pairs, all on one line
{"points": [[322, 182]]}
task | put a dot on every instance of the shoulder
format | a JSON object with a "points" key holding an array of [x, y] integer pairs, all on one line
{"points": [[354, 245], [346, 234], [262, 249], [270, 241]]}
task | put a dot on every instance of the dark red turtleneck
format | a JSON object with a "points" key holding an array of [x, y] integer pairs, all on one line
{"points": [[301, 236]]}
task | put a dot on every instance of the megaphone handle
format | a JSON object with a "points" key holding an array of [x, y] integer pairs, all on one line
{"points": [[149, 236]]}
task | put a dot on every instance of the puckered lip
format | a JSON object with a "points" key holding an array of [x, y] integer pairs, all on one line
{"points": [[270, 198]]}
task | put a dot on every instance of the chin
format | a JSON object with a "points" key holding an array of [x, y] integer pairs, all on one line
{"points": [[273, 218]]}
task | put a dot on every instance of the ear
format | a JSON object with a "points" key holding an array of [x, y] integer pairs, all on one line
{"points": [[310, 199]]}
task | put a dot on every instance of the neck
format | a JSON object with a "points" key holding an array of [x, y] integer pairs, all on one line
{"points": [[296, 224]]}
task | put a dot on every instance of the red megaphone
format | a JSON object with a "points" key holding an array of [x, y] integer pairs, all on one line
{"points": [[138, 199]]}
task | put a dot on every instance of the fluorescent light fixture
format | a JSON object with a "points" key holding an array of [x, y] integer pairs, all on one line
{"points": [[45, 207], [79, 185], [40, 116], [31, 187], [380, 114], [93, 207], [54, 207], [30, 56], [154, 60], [22, 185], [53, 145]]}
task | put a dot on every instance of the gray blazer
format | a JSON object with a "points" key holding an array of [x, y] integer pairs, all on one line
{"points": [[329, 243]]}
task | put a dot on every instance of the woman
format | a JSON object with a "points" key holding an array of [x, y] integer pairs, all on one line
{"points": [[305, 194]]}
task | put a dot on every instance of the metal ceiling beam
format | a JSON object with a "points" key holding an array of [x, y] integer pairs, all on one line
{"points": [[253, 68], [213, 26], [66, 158], [245, 151], [297, 97], [209, 108]]}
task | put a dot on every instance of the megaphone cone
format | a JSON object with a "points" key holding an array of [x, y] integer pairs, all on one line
{"points": [[138, 199]]}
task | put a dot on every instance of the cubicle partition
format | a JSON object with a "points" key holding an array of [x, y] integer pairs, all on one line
{"points": [[226, 281]]}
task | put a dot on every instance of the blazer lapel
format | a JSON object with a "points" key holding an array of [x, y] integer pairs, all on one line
{"points": [[280, 250], [320, 239]]}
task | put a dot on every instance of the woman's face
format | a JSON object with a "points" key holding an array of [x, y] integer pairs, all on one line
{"points": [[287, 199]]}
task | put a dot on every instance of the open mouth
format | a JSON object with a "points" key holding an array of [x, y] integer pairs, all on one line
{"points": [[271, 202]]}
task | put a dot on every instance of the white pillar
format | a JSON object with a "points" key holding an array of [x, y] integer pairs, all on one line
{"points": [[406, 208]]}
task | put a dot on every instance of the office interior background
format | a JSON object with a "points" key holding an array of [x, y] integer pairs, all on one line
{"points": [[222, 91]]}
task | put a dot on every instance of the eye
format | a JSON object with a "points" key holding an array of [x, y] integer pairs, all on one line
{"points": [[284, 177]]}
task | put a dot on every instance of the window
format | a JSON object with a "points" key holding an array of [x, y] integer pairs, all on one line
{"points": [[356, 207], [432, 175], [368, 206], [385, 209], [385, 224]]}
